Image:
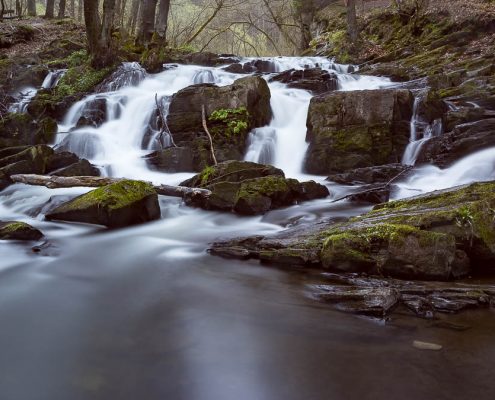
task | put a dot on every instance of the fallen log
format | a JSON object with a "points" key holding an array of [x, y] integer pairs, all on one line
{"points": [[57, 182]]}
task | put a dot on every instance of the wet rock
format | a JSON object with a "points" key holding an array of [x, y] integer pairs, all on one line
{"points": [[231, 112], [18, 231], [209, 59], [371, 194], [61, 160], [94, 113], [462, 141], [376, 302], [463, 115], [314, 80], [254, 66], [349, 130], [22, 129], [80, 168], [370, 175], [117, 205], [249, 188], [4, 181], [353, 292], [173, 159]]}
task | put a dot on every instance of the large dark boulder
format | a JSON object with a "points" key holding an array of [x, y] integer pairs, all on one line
{"points": [[349, 130], [117, 205], [462, 141], [13, 230], [249, 188], [314, 80], [94, 113], [80, 168], [208, 59], [172, 159], [231, 113]]}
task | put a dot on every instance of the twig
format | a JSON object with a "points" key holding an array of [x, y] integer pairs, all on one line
{"points": [[205, 126]]}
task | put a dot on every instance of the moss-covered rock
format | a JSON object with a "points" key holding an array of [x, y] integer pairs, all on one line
{"points": [[249, 188], [348, 130], [230, 112], [117, 205], [18, 231], [22, 129], [25, 160], [440, 235]]}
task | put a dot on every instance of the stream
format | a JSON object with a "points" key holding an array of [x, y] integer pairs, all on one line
{"points": [[145, 313]]}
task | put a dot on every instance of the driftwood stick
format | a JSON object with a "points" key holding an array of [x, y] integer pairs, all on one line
{"points": [[56, 182], [205, 126]]}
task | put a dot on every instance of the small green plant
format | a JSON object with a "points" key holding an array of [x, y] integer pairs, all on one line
{"points": [[206, 174], [465, 219], [235, 119]]}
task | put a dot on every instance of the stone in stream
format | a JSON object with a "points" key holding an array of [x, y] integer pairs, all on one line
{"points": [[117, 205], [14, 230], [172, 159], [314, 80], [248, 188], [356, 129], [441, 235], [231, 113], [80, 168], [22, 129]]}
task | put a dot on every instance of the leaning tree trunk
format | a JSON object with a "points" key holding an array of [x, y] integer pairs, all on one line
{"points": [[61, 8], [162, 23], [31, 8], [18, 8], [2, 9], [352, 28], [50, 9], [147, 23]]}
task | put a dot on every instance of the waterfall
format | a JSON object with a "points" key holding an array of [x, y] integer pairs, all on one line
{"points": [[25, 95], [421, 132]]}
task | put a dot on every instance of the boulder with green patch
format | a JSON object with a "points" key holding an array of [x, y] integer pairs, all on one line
{"points": [[117, 205], [14, 230]]}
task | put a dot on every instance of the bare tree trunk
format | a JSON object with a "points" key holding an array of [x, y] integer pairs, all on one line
{"points": [[61, 8], [73, 9], [18, 8], [31, 6], [147, 23], [352, 28], [162, 23], [80, 12], [2, 9], [50, 9], [135, 10], [107, 24]]}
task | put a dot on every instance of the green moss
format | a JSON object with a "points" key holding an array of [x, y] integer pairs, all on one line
{"points": [[206, 175], [80, 79], [114, 196], [230, 122], [266, 186], [14, 227]]}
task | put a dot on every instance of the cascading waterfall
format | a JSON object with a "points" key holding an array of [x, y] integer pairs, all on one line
{"points": [[421, 132]]}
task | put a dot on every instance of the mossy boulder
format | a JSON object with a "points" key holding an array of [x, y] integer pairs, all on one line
{"points": [[25, 160], [22, 129], [231, 112], [117, 205], [18, 231], [398, 250], [440, 235], [249, 189], [349, 130]]}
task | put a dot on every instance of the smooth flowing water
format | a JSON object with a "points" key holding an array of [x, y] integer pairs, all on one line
{"points": [[145, 313]]}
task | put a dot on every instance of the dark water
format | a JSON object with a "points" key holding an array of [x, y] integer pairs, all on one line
{"points": [[107, 322]]}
